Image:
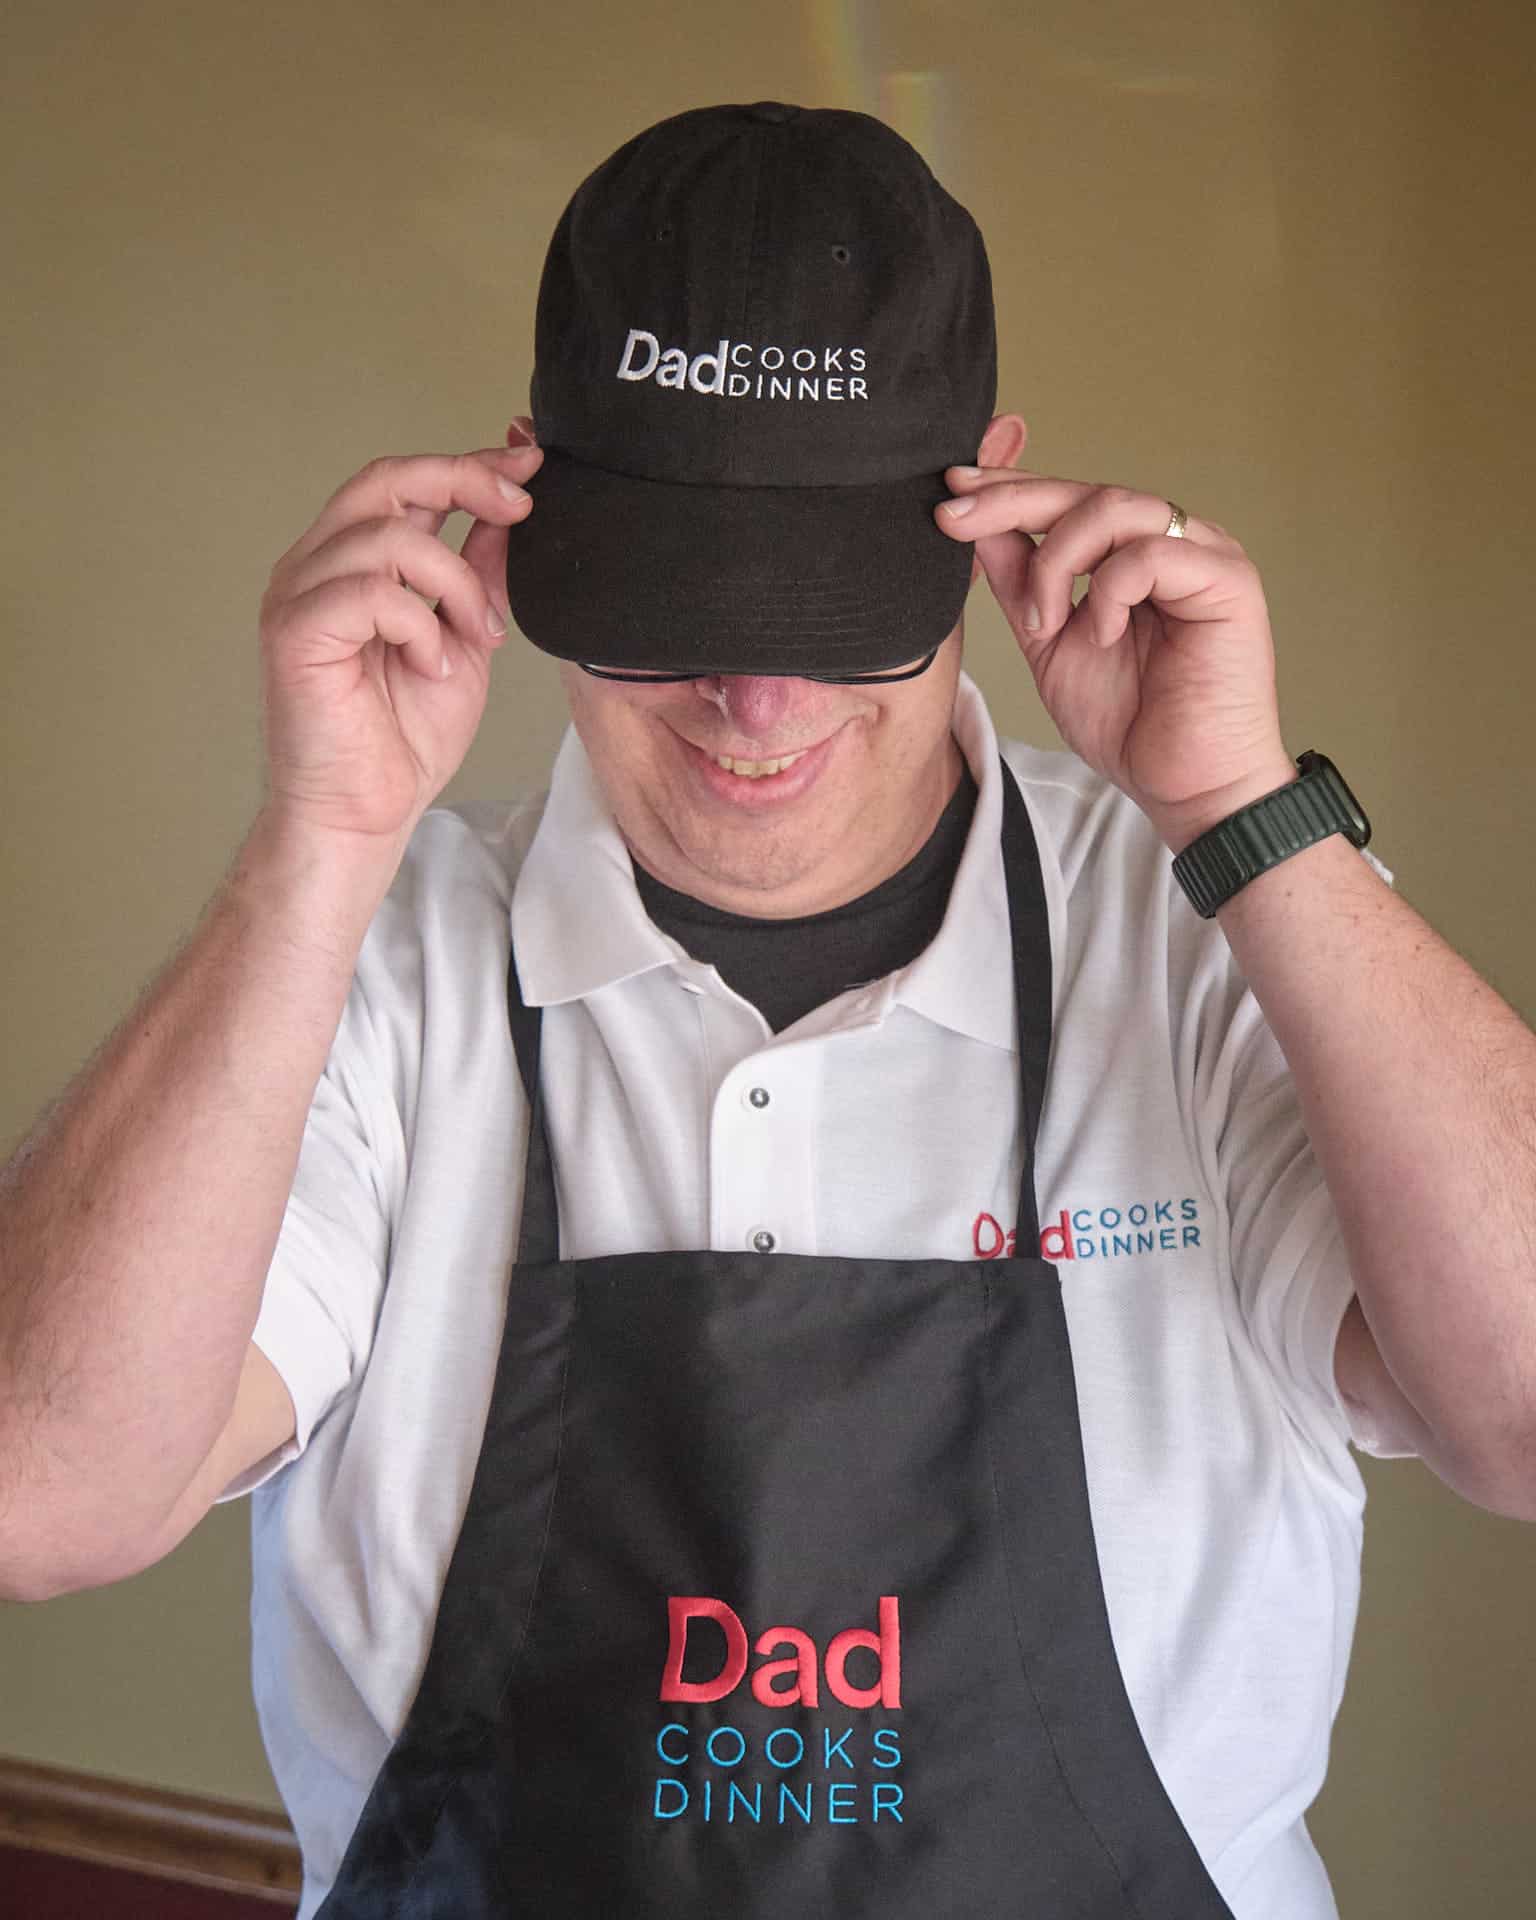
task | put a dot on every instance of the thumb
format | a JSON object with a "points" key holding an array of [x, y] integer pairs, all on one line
{"points": [[1007, 560], [485, 548]]}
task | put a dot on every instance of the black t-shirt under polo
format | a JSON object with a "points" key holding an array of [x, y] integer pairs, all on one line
{"points": [[787, 967]]}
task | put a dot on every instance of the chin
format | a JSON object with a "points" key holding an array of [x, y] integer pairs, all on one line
{"points": [[763, 868]]}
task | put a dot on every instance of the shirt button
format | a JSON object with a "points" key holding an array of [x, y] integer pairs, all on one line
{"points": [[761, 1241], [757, 1097]]}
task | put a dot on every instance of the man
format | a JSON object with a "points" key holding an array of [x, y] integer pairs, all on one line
{"points": [[797, 1312]]}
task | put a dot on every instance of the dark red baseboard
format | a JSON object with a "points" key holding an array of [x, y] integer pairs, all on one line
{"points": [[48, 1886], [80, 1846]]}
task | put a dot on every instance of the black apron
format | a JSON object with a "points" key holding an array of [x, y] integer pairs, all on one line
{"points": [[776, 1596]]}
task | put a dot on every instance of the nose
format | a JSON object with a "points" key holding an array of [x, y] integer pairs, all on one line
{"points": [[757, 704]]}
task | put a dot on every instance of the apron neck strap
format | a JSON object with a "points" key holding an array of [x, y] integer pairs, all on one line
{"points": [[1029, 924], [538, 1241]]}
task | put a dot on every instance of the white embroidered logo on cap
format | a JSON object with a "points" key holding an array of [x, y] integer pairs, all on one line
{"points": [[736, 370]]}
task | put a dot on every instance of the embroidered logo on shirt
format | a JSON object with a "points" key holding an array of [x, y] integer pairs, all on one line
{"points": [[788, 1777], [1097, 1233], [737, 370]]}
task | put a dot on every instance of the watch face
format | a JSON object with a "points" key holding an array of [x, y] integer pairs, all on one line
{"points": [[1328, 776]]}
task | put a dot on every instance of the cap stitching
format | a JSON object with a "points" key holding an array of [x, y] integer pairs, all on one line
{"points": [[756, 486]]}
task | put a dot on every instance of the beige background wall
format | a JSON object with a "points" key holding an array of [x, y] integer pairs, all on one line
{"points": [[1273, 260]]}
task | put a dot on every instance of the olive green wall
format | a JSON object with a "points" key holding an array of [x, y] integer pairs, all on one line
{"points": [[1273, 260]]}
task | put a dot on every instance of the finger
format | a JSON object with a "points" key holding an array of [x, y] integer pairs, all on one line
{"points": [[987, 499], [521, 431], [1006, 561], [1091, 526], [424, 489], [339, 617], [1108, 521], [414, 559], [1188, 583], [1006, 506], [1039, 500], [485, 553]]}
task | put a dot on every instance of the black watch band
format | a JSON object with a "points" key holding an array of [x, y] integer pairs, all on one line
{"points": [[1257, 837]]}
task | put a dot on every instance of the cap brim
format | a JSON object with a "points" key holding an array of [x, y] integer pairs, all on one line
{"points": [[622, 572]]}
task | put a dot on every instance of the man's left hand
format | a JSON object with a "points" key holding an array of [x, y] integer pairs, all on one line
{"points": [[1163, 677]]}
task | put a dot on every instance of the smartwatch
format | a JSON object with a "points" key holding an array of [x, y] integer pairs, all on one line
{"points": [[1257, 837]]}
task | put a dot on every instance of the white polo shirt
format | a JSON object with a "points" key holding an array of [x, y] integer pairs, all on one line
{"points": [[1203, 1271]]}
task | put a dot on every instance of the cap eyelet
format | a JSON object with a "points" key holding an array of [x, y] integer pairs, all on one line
{"points": [[841, 255], [664, 233]]}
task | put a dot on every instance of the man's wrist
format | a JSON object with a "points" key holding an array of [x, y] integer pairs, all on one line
{"points": [[327, 883], [1179, 826]]}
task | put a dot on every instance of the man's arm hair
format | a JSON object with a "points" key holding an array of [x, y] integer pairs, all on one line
{"points": [[139, 1218]]}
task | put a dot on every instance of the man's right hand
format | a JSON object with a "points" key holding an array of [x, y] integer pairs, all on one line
{"points": [[371, 695]]}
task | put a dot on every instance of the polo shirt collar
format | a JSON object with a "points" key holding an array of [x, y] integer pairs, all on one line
{"points": [[579, 924]]}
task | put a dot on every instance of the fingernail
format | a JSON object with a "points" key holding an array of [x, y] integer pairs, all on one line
{"points": [[969, 473], [447, 665], [1032, 618], [957, 507], [510, 488], [496, 623]]}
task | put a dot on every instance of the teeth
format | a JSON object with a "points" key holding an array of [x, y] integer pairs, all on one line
{"points": [[756, 769]]}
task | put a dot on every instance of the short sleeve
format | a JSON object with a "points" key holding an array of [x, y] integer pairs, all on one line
{"points": [[326, 1280]]}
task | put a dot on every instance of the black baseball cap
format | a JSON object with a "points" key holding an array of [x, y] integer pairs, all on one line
{"points": [[762, 333]]}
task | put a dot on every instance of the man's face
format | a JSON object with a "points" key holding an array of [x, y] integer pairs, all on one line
{"points": [[871, 769]]}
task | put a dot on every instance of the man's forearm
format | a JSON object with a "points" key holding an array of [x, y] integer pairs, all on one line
{"points": [[1418, 1091], [138, 1221]]}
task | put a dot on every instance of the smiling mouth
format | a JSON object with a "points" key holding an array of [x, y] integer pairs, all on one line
{"points": [[757, 769]]}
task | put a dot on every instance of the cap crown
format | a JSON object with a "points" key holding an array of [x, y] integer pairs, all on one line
{"points": [[765, 295]]}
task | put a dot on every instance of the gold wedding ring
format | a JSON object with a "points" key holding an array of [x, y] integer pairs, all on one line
{"points": [[1175, 527]]}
